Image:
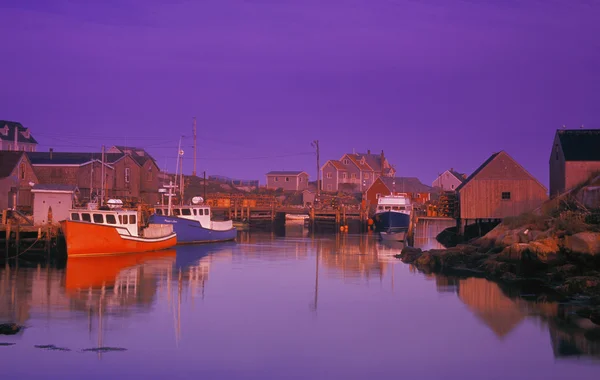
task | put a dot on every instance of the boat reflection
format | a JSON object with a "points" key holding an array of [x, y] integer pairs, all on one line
{"points": [[116, 281]]}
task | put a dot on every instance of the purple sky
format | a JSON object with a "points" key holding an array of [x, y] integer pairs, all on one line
{"points": [[434, 83]]}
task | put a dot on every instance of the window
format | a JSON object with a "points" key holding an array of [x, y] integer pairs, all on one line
{"points": [[75, 216], [329, 175], [22, 171], [377, 196], [176, 211], [110, 219], [366, 175], [186, 211], [194, 211], [353, 176], [206, 212], [287, 179], [132, 219], [159, 211], [345, 161], [127, 174], [86, 217], [556, 150], [506, 195], [98, 218], [344, 175], [149, 174], [452, 187], [122, 220], [276, 179], [300, 179]]}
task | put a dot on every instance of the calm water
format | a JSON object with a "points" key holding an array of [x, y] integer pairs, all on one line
{"points": [[273, 307]]}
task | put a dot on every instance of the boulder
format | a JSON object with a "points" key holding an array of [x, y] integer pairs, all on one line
{"points": [[495, 268], [580, 284], [410, 254], [546, 251], [9, 328], [514, 252], [587, 243], [426, 261]]}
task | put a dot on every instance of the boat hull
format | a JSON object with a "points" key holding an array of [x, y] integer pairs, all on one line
{"points": [[388, 219], [89, 239], [191, 232]]}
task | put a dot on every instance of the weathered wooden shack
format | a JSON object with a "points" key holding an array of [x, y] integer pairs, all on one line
{"points": [[16, 177], [499, 188], [51, 203], [287, 180], [575, 157]]}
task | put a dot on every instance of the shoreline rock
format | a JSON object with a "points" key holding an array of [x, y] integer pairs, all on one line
{"points": [[566, 267]]}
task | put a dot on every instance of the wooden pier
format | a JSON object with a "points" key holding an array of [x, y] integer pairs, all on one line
{"points": [[338, 217]]}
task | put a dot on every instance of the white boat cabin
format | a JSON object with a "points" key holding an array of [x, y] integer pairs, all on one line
{"points": [[394, 203], [198, 213], [117, 218]]}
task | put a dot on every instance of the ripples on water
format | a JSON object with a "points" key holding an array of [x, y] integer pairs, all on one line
{"points": [[335, 306]]}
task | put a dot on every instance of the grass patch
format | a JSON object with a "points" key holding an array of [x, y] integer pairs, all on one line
{"points": [[528, 220]]}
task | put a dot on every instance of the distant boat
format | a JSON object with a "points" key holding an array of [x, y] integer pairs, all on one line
{"points": [[113, 231], [392, 217], [296, 218], [193, 224]]}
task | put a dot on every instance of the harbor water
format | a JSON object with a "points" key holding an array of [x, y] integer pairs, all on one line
{"points": [[291, 305]]}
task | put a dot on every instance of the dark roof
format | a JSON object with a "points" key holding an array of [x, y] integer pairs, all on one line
{"points": [[460, 176], [406, 185], [141, 159], [9, 161], [294, 173], [580, 144], [12, 127], [62, 158], [480, 168], [72, 158], [373, 160]]}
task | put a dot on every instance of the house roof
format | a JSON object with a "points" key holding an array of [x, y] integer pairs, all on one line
{"points": [[460, 176], [12, 127], [580, 144], [53, 188], [406, 185], [521, 174], [291, 173], [357, 161], [9, 161], [141, 159], [72, 158], [479, 169], [373, 160], [337, 164]]}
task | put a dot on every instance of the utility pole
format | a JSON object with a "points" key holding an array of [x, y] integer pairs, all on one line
{"points": [[315, 144], [204, 186], [195, 146], [103, 179]]}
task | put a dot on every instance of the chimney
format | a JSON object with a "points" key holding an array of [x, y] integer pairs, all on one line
{"points": [[382, 163], [51, 151], [368, 151], [451, 169]]}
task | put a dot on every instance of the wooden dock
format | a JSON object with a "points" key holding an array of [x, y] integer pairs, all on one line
{"points": [[320, 217]]}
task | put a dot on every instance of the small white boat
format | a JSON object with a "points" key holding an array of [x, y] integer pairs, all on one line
{"points": [[296, 218]]}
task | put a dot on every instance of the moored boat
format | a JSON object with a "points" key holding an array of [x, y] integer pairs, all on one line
{"points": [[193, 223], [113, 231], [393, 215]]}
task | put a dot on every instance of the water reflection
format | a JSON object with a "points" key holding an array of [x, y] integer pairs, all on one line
{"points": [[264, 277]]}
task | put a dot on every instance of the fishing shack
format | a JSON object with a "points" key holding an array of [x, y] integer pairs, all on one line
{"points": [[51, 203]]}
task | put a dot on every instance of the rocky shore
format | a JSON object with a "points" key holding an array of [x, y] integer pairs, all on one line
{"points": [[555, 258]]}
